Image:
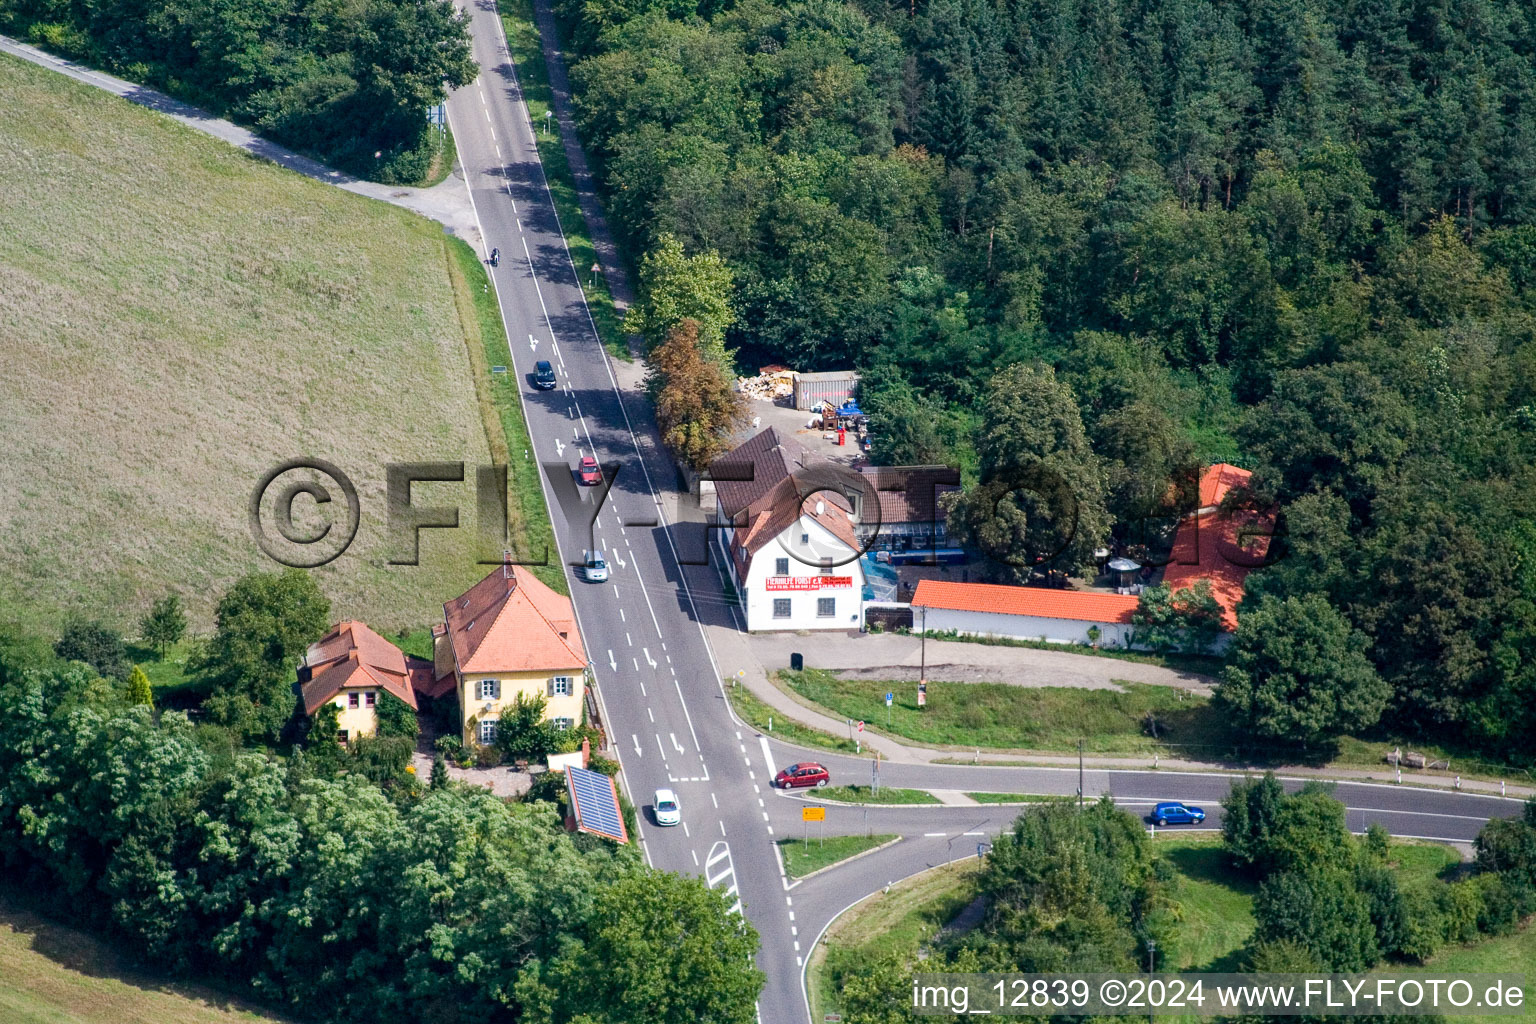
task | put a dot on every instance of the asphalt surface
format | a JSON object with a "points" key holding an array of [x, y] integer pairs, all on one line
{"points": [[657, 681]]}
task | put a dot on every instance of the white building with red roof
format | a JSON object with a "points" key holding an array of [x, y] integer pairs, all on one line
{"points": [[1211, 544], [791, 550]]}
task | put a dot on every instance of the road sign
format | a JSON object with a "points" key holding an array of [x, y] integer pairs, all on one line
{"points": [[813, 814], [861, 726], [888, 698]]}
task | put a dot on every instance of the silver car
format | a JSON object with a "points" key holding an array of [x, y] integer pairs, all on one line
{"points": [[594, 567]]}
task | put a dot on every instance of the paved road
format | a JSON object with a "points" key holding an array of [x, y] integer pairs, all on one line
{"points": [[656, 675]]}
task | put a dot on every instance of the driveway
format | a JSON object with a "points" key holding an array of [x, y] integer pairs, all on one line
{"points": [[899, 658]]}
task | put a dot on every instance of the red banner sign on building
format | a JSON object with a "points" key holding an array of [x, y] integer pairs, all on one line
{"points": [[806, 582]]}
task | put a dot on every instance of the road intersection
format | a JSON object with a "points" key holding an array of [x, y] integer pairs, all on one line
{"points": [[657, 678]]}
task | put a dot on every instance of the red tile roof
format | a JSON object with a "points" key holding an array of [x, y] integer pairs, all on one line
{"points": [[511, 622], [1042, 602], [1222, 548], [352, 655], [1216, 481]]}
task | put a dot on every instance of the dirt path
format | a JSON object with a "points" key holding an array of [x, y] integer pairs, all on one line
{"points": [[899, 658]]}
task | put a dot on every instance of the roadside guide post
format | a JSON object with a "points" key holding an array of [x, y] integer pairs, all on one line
{"points": [[889, 699]]}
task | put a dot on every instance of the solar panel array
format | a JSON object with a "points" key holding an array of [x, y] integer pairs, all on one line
{"points": [[595, 803]]}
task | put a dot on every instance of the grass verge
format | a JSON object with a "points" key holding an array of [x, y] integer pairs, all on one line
{"points": [[999, 716], [897, 921], [1014, 798], [533, 77], [801, 857], [759, 715], [442, 161], [501, 414], [50, 974], [887, 795]]}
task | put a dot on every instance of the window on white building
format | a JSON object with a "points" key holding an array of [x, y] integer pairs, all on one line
{"points": [[826, 607], [487, 689], [487, 732], [560, 686], [561, 723], [352, 700], [781, 607], [781, 567], [369, 698]]}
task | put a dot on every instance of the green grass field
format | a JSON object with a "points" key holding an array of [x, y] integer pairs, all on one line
{"points": [[1012, 798], [176, 317], [887, 795], [533, 77], [999, 716], [802, 856], [50, 974]]}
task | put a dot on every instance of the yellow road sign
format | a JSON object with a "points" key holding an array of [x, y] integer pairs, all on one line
{"points": [[813, 814]]}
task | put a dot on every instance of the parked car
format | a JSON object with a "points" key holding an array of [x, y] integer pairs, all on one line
{"points": [[798, 776], [543, 375], [594, 567], [1177, 814], [589, 473], [667, 810]]}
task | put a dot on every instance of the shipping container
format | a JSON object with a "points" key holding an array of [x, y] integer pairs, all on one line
{"points": [[835, 386]]}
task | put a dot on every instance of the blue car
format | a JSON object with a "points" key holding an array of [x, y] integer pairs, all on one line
{"points": [[1177, 814]]}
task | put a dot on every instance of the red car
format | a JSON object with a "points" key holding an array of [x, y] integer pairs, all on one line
{"points": [[588, 472], [806, 773]]}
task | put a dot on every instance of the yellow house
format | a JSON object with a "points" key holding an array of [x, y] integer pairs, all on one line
{"points": [[506, 635], [351, 666]]}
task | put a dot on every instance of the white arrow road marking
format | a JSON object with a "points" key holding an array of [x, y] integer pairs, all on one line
{"points": [[637, 743], [676, 744], [650, 661], [559, 448], [620, 559], [613, 666], [533, 343]]}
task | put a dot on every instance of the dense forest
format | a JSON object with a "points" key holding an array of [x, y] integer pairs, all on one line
{"points": [[350, 83], [1295, 235]]}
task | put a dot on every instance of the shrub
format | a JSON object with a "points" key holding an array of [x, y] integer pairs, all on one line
{"points": [[95, 643], [487, 756], [395, 717], [599, 763]]}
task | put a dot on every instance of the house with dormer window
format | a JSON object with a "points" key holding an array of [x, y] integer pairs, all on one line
{"points": [[509, 634]]}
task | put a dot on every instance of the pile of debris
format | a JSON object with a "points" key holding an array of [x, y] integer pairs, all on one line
{"points": [[770, 384]]}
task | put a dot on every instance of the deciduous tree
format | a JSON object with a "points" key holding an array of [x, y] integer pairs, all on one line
{"points": [[1299, 673]]}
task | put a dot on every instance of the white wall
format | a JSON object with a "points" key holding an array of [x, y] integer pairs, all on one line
{"points": [[1021, 627], [757, 599]]}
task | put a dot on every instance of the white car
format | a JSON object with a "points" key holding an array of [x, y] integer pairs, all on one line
{"points": [[594, 567], [667, 810]]}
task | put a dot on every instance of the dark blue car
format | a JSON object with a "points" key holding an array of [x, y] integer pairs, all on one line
{"points": [[1177, 814]]}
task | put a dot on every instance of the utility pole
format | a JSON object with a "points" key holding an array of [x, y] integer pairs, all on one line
{"points": [[1151, 970], [1080, 793]]}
